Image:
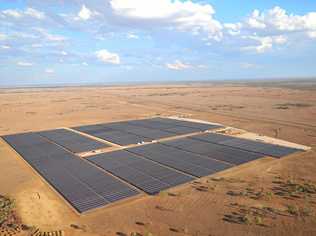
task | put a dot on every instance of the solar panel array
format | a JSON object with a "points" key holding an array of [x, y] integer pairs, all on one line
{"points": [[142, 173], [186, 162], [218, 152], [72, 141], [146, 130], [151, 168], [246, 144], [83, 185]]}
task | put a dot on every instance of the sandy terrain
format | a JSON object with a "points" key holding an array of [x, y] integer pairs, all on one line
{"points": [[265, 197]]}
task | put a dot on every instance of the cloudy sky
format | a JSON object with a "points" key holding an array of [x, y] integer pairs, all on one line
{"points": [[75, 41]]}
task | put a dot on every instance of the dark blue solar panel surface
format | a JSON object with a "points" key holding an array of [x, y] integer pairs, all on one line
{"points": [[246, 144], [121, 137], [215, 151], [146, 130], [72, 141], [140, 172], [83, 185], [190, 124], [152, 167], [186, 162]]}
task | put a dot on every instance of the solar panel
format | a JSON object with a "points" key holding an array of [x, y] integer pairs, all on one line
{"points": [[180, 130], [72, 141], [142, 173], [151, 123], [121, 137], [83, 185], [150, 133], [215, 151], [212, 137], [137, 131], [186, 162], [246, 144], [260, 147], [190, 124]]}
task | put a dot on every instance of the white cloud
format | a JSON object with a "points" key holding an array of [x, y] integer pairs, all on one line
{"points": [[85, 64], [3, 36], [312, 34], [49, 71], [280, 39], [247, 65], [36, 45], [265, 43], [233, 29], [63, 53], [182, 15], [254, 21], [132, 36], [49, 36], [12, 13], [23, 63], [55, 37], [107, 57], [34, 13], [268, 28], [178, 65], [277, 19], [5, 47], [85, 13], [31, 12]]}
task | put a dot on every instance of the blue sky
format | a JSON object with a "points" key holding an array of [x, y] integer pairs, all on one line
{"points": [[101, 41]]}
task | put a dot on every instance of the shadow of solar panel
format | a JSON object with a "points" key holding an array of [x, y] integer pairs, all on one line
{"points": [[215, 151], [142, 173], [260, 147], [72, 141], [83, 185], [183, 161]]}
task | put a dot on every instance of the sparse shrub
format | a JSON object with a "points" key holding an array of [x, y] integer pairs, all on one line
{"points": [[306, 211], [269, 195], [293, 210], [148, 234], [246, 219], [135, 234], [258, 220], [6, 207]]}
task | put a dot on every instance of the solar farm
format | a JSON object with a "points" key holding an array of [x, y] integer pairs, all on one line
{"points": [[98, 165]]}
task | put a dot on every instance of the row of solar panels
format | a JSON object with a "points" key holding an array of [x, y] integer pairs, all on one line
{"points": [[146, 130], [122, 133], [151, 168], [83, 185]]}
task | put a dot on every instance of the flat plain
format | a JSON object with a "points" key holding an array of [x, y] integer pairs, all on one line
{"points": [[264, 197]]}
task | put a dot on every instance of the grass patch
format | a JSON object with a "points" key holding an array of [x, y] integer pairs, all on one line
{"points": [[246, 215], [285, 106], [291, 189], [6, 209], [252, 193]]}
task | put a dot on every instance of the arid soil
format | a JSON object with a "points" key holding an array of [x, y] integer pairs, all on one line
{"points": [[265, 197]]}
